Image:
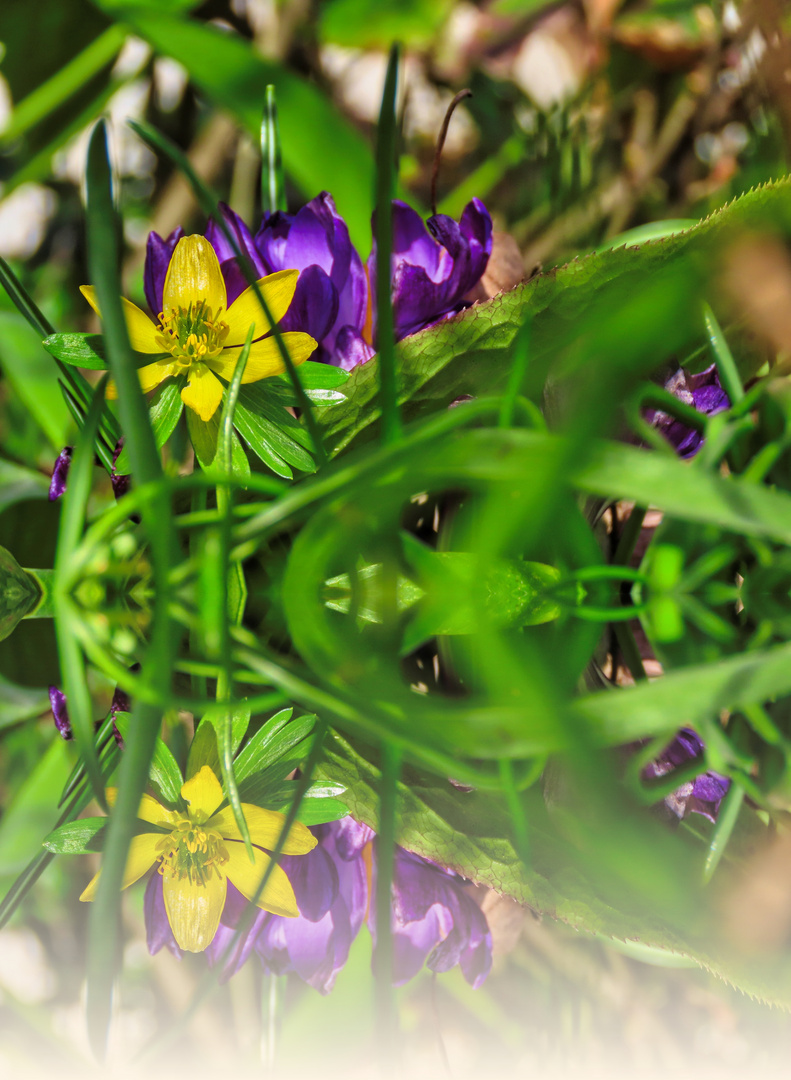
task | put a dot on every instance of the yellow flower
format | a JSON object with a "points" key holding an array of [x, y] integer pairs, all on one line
{"points": [[203, 849], [201, 339]]}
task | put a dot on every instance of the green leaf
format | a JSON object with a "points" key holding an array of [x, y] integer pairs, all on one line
{"points": [[80, 350], [164, 771], [271, 432], [33, 378], [320, 149], [205, 437], [76, 837], [278, 735], [203, 750], [18, 703], [18, 484], [19, 593], [166, 409], [374, 24]]}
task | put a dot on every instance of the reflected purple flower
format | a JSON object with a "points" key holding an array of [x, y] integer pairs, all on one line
{"points": [[60, 473], [434, 922], [704, 393], [60, 712], [702, 795]]}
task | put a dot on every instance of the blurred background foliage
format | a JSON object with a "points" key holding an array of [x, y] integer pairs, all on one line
{"points": [[587, 119]]}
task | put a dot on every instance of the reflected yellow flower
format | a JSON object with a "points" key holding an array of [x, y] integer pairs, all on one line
{"points": [[201, 850], [201, 339]]}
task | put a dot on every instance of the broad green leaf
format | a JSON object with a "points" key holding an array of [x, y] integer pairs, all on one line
{"points": [[275, 738], [164, 771], [320, 149], [34, 378], [470, 832], [18, 484], [18, 703], [76, 837], [166, 409], [80, 350], [469, 354], [205, 436], [19, 593]]}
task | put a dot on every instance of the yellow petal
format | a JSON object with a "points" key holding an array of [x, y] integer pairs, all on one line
{"points": [[278, 292], [203, 393], [150, 809], [265, 358], [142, 331], [203, 792], [193, 909], [193, 275], [278, 896], [265, 827], [143, 853]]}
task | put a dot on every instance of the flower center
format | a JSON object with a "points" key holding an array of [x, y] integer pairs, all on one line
{"points": [[192, 335], [192, 851]]}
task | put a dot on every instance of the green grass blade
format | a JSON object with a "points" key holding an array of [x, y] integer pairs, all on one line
{"points": [[103, 261], [273, 195], [72, 664], [386, 170], [386, 1015], [64, 83], [723, 357]]}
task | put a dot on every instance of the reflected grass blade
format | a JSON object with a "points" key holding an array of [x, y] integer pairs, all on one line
{"points": [[386, 171], [386, 1015], [103, 261]]}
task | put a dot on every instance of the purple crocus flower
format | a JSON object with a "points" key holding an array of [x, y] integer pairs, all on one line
{"points": [[704, 393], [434, 268], [331, 301], [702, 795], [60, 473], [60, 712], [434, 922]]}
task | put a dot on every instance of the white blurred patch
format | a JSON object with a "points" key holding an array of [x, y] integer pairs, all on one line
{"points": [[359, 80], [24, 971], [24, 217], [545, 70], [170, 82], [133, 55], [129, 154]]}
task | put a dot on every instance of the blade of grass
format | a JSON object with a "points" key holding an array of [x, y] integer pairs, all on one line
{"points": [[386, 1015], [516, 376], [273, 196], [103, 262], [224, 722], [65, 82], [72, 663], [386, 171], [723, 357]]}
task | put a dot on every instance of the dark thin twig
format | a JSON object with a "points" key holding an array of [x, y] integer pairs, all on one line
{"points": [[462, 94]]}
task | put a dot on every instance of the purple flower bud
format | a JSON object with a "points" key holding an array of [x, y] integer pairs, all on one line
{"points": [[60, 473], [702, 795], [433, 269], [704, 393], [60, 712]]}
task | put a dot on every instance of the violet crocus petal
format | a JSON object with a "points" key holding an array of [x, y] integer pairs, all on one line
{"points": [[351, 837], [271, 240], [60, 473], [314, 307], [704, 393], [352, 303], [434, 921], [332, 896], [60, 712], [216, 951], [351, 349], [158, 256], [158, 932], [431, 274], [235, 280]]}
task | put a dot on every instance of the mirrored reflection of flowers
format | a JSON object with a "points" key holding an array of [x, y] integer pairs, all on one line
{"points": [[434, 921]]}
